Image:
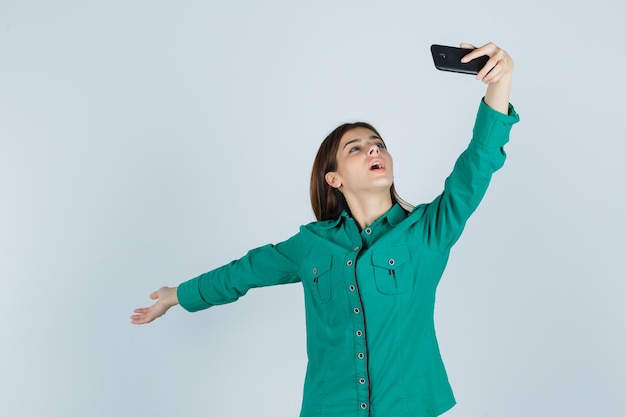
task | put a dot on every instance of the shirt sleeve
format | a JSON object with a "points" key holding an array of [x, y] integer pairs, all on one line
{"points": [[260, 267], [445, 217]]}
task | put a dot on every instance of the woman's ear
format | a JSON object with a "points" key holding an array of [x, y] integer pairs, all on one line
{"points": [[333, 179]]}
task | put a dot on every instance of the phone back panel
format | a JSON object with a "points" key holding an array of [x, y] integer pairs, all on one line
{"points": [[448, 58]]}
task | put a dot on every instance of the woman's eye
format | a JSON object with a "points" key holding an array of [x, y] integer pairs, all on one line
{"points": [[354, 149], [380, 145]]}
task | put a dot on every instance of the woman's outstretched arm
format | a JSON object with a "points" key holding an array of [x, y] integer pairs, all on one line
{"points": [[497, 74], [446, 216], [166, 297]]}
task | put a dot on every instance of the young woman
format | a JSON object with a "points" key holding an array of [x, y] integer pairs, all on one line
{"points": [[369, 266]]}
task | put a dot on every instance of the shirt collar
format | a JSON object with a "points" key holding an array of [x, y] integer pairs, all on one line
{"points": [[329, 224], [394, 216]]}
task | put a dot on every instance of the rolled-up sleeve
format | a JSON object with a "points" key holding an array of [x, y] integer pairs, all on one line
{"points": [[492, 128]]}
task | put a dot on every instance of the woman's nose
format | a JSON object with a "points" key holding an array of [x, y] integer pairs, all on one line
{"points": [[374, 150]]}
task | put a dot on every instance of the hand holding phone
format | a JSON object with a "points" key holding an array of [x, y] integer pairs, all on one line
{"points": [[448, 58]]}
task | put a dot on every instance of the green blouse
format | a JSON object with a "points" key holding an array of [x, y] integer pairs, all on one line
{"points": [[370, 294]]}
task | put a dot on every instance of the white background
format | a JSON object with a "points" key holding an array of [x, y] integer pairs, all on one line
{"points": [[145, 142]]}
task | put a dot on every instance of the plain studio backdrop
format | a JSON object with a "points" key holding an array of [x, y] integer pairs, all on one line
{"points": [[143, 143]]}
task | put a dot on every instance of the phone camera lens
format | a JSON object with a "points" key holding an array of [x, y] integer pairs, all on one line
{"points": [[442, 56]]}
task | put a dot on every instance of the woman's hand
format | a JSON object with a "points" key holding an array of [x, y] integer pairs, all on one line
{"points": [[499, 65], [497, 74], [166, 297]]}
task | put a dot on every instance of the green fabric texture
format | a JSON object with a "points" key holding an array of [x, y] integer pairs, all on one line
{"points": [[370, 294]]}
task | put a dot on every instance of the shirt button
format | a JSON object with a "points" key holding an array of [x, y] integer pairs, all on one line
{"points": [[349, 263], [361, 355], [357, 311], [368, 231], [314, 271], [392, 262], [363, 406], [352, 287], [359, 333], [356, 248], [362, 381]]}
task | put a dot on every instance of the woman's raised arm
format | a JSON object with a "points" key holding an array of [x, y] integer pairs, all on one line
{"points": [[497, 74]]}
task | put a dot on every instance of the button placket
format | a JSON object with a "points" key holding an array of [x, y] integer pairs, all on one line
{"points": [[360, 343]]}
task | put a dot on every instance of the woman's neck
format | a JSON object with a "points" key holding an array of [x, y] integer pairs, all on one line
{"points": [[366, 211]]}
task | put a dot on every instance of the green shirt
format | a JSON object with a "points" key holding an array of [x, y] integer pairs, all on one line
{"points": [[370, 294]]}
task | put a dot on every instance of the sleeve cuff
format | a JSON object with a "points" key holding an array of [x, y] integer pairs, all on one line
{"points": [[189, 296], [492, 128]]}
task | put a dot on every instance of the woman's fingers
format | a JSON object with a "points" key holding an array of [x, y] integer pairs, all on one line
{"points": [[147, 314], [485, 72], [475, 53], [492, 75], [496, 73], [499, 62], [140, 314]]}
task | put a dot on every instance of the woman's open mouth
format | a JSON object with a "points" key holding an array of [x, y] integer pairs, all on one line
{"points": [[377, 165]]}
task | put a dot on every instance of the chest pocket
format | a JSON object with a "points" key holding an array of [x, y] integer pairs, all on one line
{"points": [[316, 275], [392, 270]]}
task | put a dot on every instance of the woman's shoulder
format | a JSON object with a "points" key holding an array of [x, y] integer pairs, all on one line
{"points": [[320, 225]]}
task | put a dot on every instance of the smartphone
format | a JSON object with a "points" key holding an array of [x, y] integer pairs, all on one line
{"points": [[448, 58]]}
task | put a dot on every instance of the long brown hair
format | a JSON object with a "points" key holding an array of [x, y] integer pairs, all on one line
{"points": [[329, 202]]}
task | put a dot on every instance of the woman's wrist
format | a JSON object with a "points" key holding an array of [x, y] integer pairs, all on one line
{"points": [[498, 94], [170, 296]]}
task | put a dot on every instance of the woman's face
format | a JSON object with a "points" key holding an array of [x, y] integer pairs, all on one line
{"points": [[363, 163]]}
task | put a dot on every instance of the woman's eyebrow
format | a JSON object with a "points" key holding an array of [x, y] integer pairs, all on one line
{"points": [[351, 141], [373, 137]]}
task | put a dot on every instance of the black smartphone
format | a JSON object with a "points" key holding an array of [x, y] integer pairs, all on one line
{"points": [[448, 58]]}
